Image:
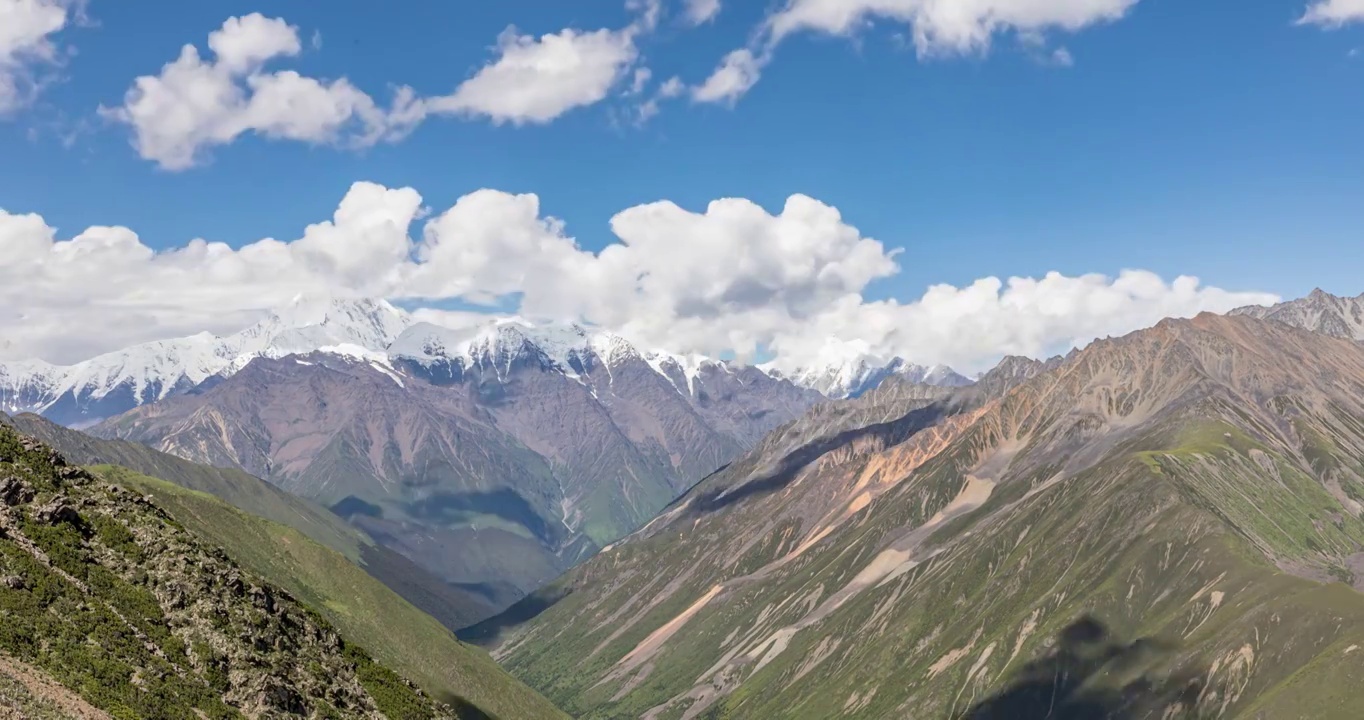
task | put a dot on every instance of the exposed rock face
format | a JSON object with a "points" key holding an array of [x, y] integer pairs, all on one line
{"points": [[1161, 525], [496, 463], [143, 620], [1322, 312], [1013, 371]]}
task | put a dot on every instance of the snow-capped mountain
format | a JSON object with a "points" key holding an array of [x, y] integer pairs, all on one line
{"points": [[375, 332], [103, 386], [569, 435], [849, 369], [572, 349]]}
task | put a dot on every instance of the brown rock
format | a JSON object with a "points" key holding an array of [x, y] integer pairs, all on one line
{"points": [[58, 510], [14, 491]]}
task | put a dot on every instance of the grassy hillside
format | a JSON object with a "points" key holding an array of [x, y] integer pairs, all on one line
{"points": [[452, 606], [363, 610], [105, 594]]}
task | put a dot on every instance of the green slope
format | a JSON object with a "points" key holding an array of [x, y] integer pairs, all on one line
{"points": [[452, 606], [1164, 526], [107, 595], [362, 609]]}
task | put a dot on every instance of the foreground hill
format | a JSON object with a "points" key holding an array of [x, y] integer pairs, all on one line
{"points": [[453, 606], [1162, 525], [363, 610], [102, 592]]}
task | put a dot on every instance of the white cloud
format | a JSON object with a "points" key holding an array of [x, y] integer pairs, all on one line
{"points": [[195, 104], [698, 12], [672, 87], [737, 74], [734, 277], [26, 44], [641, 80], [938, 28], [1333, 13], [535, 80], [971, 326]]}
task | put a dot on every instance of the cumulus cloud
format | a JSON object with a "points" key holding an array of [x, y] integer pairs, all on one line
{"points": [[195, 103], [198, 102], [738, 72], [27, 28], [938, 28], [535, 80], [698, 12], [732, 277], [1333, 13]]}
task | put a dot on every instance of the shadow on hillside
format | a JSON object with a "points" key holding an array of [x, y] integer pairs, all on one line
{"points": [[465, 710], [1090, 675], [526, 609], [892, 432]]}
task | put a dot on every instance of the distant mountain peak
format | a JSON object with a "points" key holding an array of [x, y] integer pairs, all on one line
{"points": [[847, 369], [114, 382], [1320, 312]]}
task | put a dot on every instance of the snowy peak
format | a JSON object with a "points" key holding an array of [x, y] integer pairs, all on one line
{"points": [[118, 381], [850, 369], [567, 348], [680, 370], [305, 326], [501, 343]]}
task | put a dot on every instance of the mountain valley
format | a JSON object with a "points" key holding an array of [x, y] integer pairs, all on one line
{"points": [[494, 457], [1166, 524]]}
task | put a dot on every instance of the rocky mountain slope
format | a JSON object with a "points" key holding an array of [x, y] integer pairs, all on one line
{"points": [[104, 593], [452, 606], [363, 610], [495, 457], [1161, 525], [1322, 312]]}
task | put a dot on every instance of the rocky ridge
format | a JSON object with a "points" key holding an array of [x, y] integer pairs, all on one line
{"points": [[1135, 531]]}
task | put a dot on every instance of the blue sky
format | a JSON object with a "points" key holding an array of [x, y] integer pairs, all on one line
{"points": [[1213, 138]]}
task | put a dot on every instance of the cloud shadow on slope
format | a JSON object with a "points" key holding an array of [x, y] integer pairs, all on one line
{"points": [[1090, 675], [525, 610], [892, 432]]}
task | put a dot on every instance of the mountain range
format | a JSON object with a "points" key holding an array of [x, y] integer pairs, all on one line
{"points": [[112, 383], [495, 456], [1166, 524]]}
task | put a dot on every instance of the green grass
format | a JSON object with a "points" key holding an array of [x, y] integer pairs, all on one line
{"points": [[364, 610], [1140, 540]]}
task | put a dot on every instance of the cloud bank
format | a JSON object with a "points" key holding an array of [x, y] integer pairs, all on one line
{"points": [[732, 277]]}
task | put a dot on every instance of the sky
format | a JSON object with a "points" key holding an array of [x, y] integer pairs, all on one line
{"points": [[947, 180]]}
